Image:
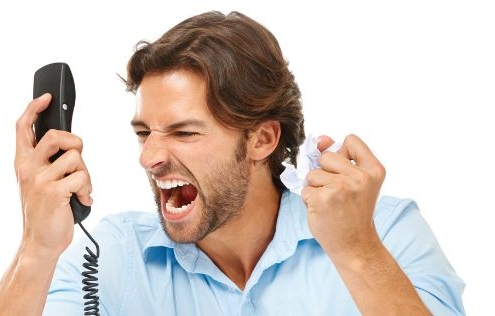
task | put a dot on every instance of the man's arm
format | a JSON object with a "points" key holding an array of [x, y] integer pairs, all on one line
{"points": [[341, 198], [48, 227], [24, 286], [377, 283]]}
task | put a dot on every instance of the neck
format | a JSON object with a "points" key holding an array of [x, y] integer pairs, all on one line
{"points": [[237, 246]]}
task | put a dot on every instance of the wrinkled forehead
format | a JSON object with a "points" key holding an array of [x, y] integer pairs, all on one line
{"points": [[170, 96]]}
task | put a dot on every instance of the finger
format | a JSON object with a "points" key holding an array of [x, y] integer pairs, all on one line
{"points": [[356, 150], [25, 140], [70, 162], [78, 183], [307, 195], [324, 142], [55, 140], [319, 177], [336, 162]]}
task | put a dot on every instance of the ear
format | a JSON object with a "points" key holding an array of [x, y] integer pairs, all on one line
{"points": [[263, 140]]}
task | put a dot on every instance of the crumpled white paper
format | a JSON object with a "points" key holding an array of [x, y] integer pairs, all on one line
{"points": [[295, 178]]}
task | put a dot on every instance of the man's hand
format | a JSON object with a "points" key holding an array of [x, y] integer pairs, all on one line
{"points": [[45, 187], [341, 198], [45, 190]]}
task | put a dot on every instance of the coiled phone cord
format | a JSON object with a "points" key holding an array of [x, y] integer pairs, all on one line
{"points": [[90, 280]]}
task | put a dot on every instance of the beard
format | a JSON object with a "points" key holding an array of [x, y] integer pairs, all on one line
{"points": [[223, 193]]}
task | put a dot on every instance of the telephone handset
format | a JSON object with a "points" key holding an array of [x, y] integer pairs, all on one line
{"points": [[56, 79]]}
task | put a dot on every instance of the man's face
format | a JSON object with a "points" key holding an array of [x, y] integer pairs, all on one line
{"points": [[197, 167]]}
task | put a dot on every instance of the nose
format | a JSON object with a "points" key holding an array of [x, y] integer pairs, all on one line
{"points": [[154, 151]]}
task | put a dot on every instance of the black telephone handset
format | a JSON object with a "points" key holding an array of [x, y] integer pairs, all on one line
{"points": [[56, 79]]}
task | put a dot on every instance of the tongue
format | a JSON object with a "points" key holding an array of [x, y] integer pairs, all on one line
{"points": [[188, 193]]}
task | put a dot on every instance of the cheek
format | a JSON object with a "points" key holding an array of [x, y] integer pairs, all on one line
{"points": [[202, 158], [208, 167], [200, 154]]}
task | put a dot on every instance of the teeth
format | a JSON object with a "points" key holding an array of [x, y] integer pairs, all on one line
{"points": [[170, 184], [176, 210]]}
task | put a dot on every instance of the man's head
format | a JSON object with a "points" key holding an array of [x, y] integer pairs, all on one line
{"points": [[248, 81], [217, 113]]}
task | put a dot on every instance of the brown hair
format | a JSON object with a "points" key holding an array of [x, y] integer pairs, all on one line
{"points": [[248, 81]]}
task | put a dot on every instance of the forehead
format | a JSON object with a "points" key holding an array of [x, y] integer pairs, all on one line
{"points": [[171, 96]]}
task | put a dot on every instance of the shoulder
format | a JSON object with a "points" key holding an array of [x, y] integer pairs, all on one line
{"points": [[405, 232], [390, 211], [390, 204], [411, 241]]}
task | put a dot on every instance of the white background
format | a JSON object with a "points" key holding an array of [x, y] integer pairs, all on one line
{"points": [[414, 79]]}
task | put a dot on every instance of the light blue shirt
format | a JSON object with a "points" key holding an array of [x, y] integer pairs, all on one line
{"points": [[143, 272]]}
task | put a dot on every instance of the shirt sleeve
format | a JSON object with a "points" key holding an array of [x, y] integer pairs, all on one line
{"points": [[66, 296], [410, 240]]}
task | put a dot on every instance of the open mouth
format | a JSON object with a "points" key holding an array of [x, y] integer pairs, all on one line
{"points": [[178, 195]]}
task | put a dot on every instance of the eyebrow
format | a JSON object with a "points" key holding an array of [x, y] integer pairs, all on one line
{"points": [[171, 127]]}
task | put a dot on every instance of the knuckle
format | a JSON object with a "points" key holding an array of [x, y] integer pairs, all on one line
{"points": [[363, 178], [51, 136], [76, 142], [328, 197], [86, 179], [310, 176], [20, 124], [73, 155], [340, 185], [381, 171], [351, 138]]}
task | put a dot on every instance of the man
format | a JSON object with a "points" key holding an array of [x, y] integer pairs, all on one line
{"points": [[217, 113]]}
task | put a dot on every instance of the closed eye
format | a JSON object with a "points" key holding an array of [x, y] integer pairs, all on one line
{"points": [[186, 134], [142, 135]]}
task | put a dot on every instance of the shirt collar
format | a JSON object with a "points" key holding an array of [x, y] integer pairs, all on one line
{"points": [[291, 228], [157, 243]]}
